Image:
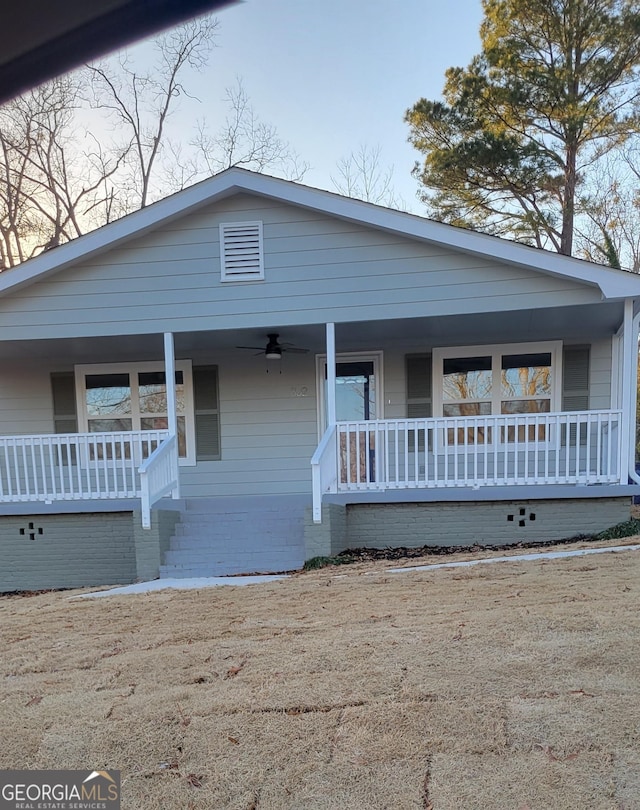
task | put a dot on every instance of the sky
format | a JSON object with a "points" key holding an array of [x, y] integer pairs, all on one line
{"points": [[335, 75]]}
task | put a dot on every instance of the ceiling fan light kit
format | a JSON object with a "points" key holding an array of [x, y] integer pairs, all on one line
{"points": [[273, 350]]}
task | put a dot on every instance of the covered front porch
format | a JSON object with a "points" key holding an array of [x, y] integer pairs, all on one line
{"points": [[529, 449], [264, 421]]}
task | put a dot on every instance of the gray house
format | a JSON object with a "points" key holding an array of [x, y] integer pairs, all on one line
{"points": [[345, 375]]}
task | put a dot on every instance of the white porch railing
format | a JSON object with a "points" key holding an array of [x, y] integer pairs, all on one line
{"points": [[158, 476], [74, 466], [579, 447]]}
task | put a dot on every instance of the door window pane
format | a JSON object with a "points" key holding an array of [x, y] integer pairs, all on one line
{"points": [[355, 391]]}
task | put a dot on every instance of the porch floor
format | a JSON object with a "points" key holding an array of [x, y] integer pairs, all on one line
{"points": [[505, 493]]}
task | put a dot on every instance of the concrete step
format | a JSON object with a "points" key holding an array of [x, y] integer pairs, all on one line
{"points": [[218, 537]]}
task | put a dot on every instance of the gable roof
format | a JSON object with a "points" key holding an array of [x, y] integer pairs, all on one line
{"points": [[611, 282]]}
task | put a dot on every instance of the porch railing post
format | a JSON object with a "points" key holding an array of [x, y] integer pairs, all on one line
{"points": [[145, 500]]}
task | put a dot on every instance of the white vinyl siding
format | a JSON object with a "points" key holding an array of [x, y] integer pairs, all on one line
{"points": [[241, 251], [25, 400]]}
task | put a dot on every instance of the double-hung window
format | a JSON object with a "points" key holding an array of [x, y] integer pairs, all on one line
{"points": [[490, 380], [133, 396]]}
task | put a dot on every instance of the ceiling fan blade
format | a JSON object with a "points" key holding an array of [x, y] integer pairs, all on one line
{"points": [[256, 348], [295, 350]]}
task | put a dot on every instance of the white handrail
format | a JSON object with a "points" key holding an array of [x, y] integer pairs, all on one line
{"points": [[577, 447], [74, 466], [158, 476], [324, 470]]}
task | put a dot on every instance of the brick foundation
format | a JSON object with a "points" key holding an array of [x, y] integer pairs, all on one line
{"points": [[411, 525], [48, 551]]}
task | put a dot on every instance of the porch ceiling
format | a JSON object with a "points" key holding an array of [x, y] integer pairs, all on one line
{"points": [[575, 323]]}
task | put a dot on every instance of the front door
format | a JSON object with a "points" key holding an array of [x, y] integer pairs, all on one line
{"points": [[358, 399], [358, 389]]}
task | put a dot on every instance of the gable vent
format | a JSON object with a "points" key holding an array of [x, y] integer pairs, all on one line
{"points": [[241, 251]]}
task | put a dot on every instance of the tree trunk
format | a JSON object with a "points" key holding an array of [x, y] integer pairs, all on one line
{"points": [[568, 203]]}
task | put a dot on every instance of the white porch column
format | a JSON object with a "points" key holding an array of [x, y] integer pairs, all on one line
{"points": [[331, 374], [629, 364], [628, 387], [170, 377], [172, 410]]}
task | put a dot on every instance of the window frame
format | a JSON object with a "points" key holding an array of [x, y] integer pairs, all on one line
{"points": [[185, 366], [496, 351]]}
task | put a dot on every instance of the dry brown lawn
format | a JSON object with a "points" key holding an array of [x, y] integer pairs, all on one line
{"points": [[508, 686]]}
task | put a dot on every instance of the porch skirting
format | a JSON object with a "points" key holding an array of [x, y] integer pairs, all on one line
{"points": [[450, 523], [42, 551]]}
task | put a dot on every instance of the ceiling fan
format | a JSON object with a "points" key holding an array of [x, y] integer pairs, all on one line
{"points": [[273, 350]]}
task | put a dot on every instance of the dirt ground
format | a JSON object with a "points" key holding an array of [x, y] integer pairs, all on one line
{"points": [[514, 686]]}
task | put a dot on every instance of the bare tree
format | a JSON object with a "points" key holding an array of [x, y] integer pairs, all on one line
{"points": [[608, 222], [361, 175], [49, 186], [58, 179], [245, 140], [140, 103]]}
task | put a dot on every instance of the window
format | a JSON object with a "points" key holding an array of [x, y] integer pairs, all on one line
{"points": [[132, 396], [241, 251], [479, 381]]}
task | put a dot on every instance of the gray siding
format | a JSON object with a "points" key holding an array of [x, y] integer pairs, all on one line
{"points": [[268, 432], [26, 403], [395, 394], [317, 268]]}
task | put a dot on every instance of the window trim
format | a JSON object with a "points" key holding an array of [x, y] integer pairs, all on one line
{"points": [[185, 366], [497, 350], [227, 273]]}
